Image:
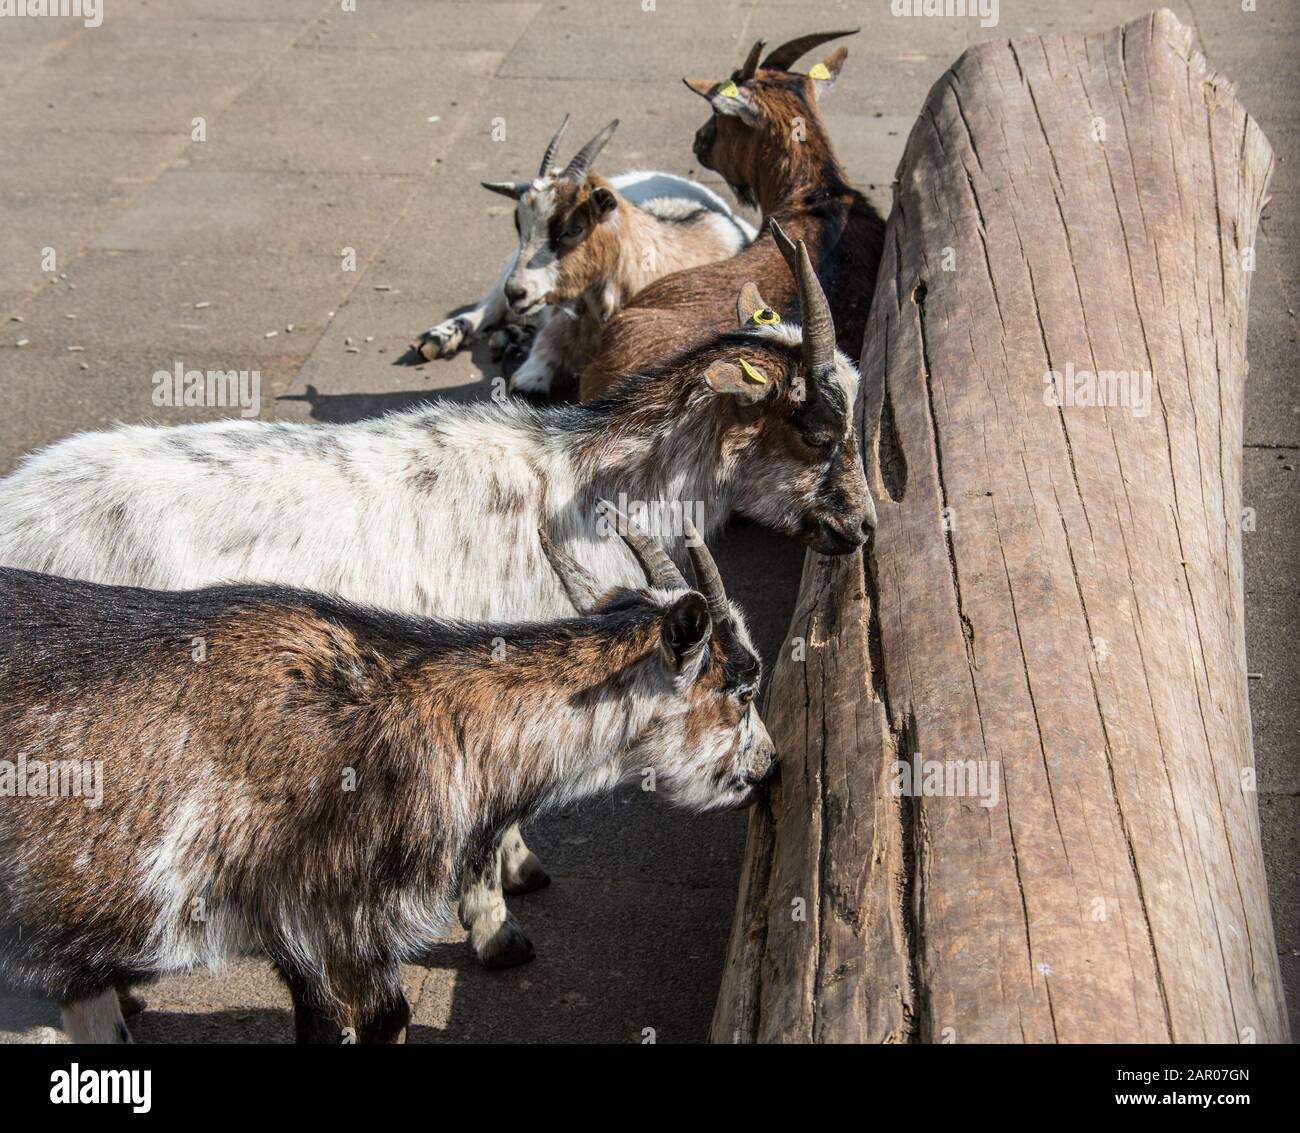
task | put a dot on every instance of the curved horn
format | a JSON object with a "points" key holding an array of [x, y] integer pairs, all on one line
{"points": [[577, 169], [549, 157], [708, 581], [751, 60], [788, 53], [814, 310], [512, 189], [660, 570], [579, 583], [786, 245]]}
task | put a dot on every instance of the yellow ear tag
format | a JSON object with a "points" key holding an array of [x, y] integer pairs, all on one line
{"points": [[766, 317], [819, 71], [752, 374], [728, 90]]}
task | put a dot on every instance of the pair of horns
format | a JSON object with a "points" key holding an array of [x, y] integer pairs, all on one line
{"points": [[814, 310], [660, 570], [788, 53], [581, 162], [575, 171]]}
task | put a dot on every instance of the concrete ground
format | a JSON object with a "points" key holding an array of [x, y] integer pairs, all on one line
{"points": [[327, 130]]}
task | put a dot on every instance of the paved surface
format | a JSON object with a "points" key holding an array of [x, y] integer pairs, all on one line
{"points": [[371, 131]]}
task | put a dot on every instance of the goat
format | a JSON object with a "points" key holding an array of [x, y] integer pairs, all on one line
{"points": [[587, 244], [436, 510], [792, 177], [314, 787]]}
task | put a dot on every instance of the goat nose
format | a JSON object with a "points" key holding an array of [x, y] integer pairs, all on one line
{"points": [[773, 770]]}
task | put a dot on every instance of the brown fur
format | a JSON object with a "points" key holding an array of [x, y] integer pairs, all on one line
{"points": [[313, 786], [802, 186], [616, 252]]}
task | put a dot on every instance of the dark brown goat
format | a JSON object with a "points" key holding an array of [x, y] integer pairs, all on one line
{"points": [[768, 141], [192, 776]]}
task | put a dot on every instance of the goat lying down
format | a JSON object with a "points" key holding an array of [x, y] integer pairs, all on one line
{"points": [[586, 245], [312, 787], [435, 511]]}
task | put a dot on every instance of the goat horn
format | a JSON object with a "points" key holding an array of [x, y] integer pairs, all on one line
{"points": [[786, 245], [512, 189], [576, 170], [708, 581], [660, 570], [788, 53], [555, 145], [751, 60], [579, 583], [814, 310]]}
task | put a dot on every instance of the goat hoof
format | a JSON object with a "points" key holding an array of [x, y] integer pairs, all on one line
{"points": [[429, 349], [131, 1003], [508, 947], [527, 878]]}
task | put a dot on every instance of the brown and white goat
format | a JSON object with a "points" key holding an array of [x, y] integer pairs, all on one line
{"points": [[314, 783], [587, 245], [768, 141]]}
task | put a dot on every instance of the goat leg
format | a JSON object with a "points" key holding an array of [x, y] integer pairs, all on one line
{"points": [[494, 934], [521, 872], [464, 324], [97, 1019]]}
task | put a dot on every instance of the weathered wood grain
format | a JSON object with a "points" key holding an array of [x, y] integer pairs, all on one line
{"points": [[1054, 591]]}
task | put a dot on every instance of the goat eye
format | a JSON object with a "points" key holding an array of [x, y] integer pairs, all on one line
{"points": [[746, 696]]}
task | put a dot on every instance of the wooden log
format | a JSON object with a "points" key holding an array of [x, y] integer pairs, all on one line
{"points": [[1054, 592]]}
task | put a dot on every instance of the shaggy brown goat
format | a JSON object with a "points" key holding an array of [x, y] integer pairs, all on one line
{"points": [[198, 775], [768, 141]]}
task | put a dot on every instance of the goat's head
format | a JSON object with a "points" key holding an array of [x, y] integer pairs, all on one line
{"points": [[754, 111], [558, 216], [705, 741], [787, 396]]}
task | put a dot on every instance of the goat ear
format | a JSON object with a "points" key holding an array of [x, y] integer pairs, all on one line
{"points": [[825, 73], [512, 189], [730, 99], [750, 385], [604, 201], [685, 631], [750, 303], [726, 98]]}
